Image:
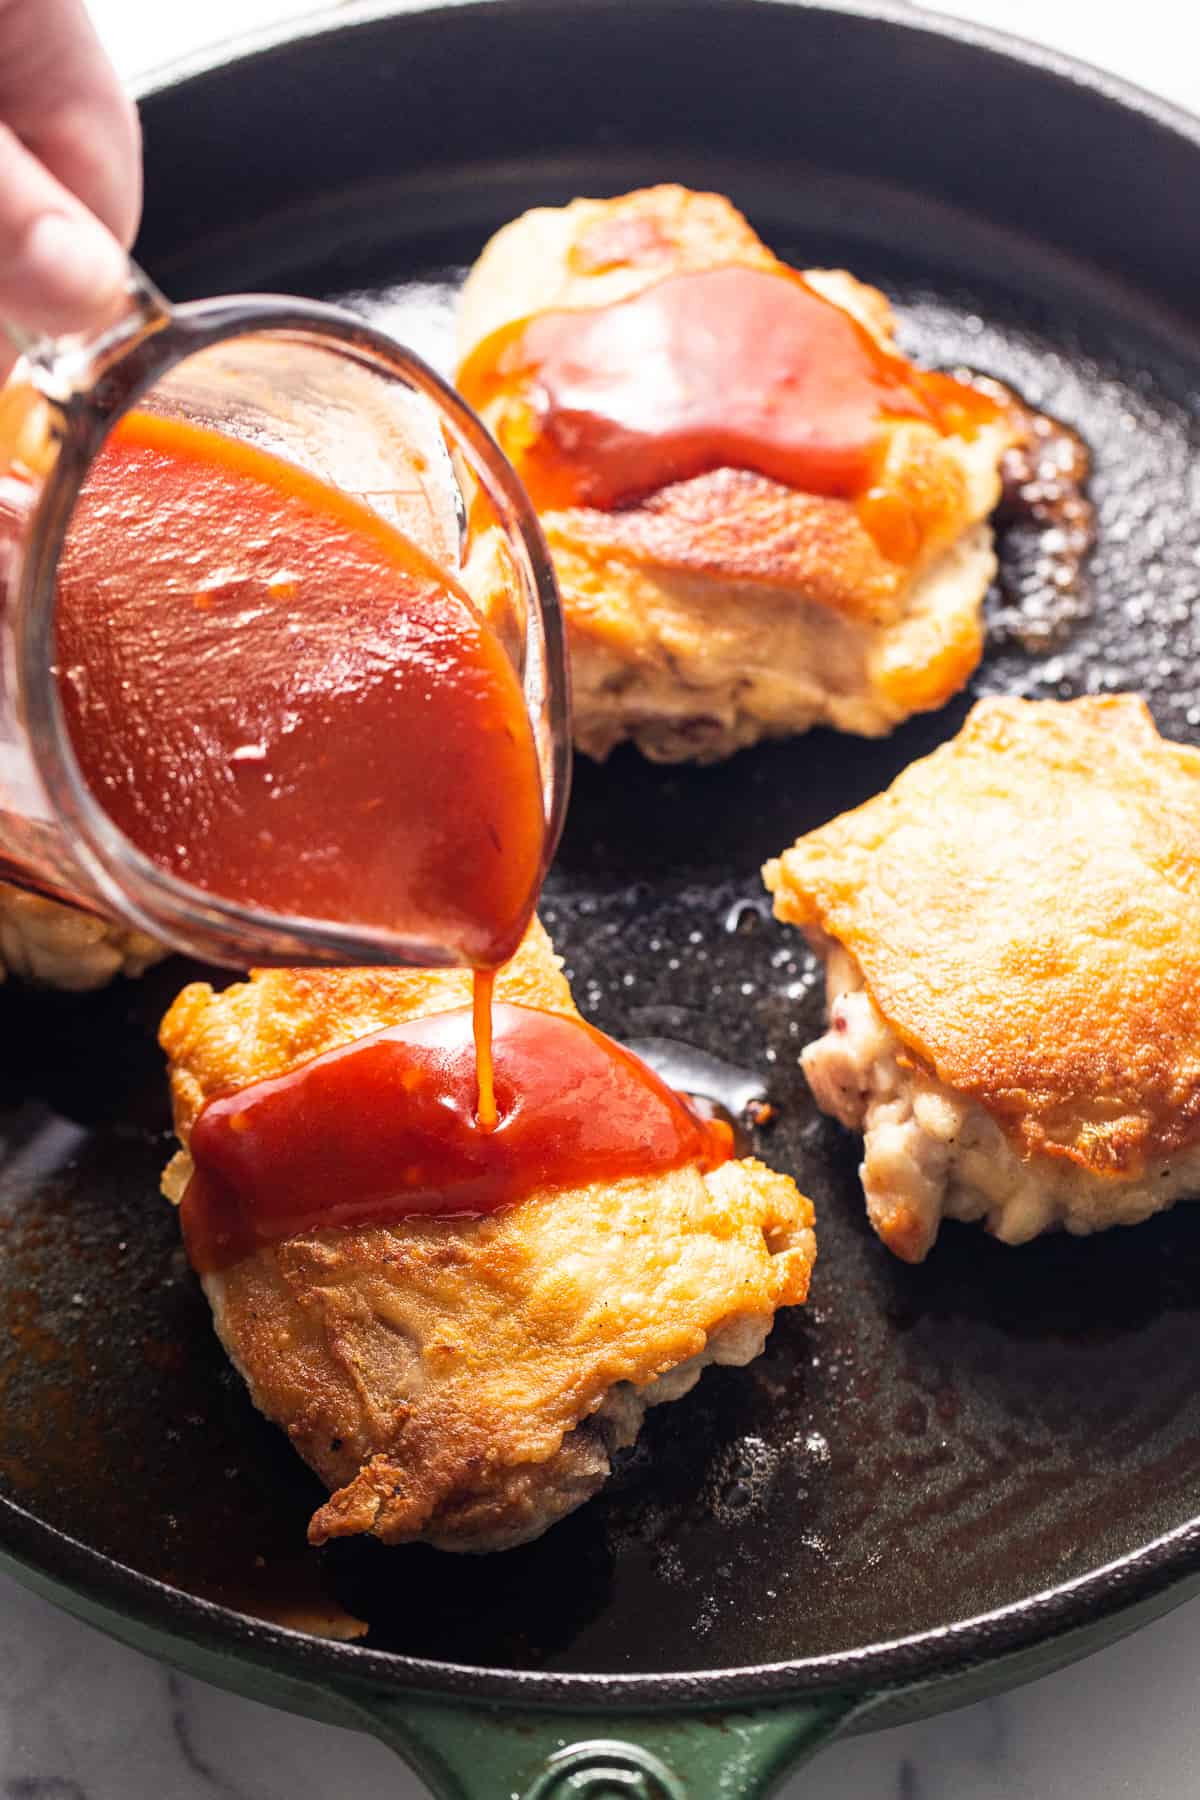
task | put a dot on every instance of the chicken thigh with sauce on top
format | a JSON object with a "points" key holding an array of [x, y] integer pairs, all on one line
{"points": [[465, 1380], [761, 515]]}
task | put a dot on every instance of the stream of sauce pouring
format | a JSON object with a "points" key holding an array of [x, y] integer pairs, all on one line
{"points": [[385, 1128], [735, 367], [281, 699]]}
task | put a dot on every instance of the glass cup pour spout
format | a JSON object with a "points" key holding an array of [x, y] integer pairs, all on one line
{"points": [[317, 387]]}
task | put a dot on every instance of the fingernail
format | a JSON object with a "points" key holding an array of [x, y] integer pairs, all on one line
{"points": [[77, 266]]}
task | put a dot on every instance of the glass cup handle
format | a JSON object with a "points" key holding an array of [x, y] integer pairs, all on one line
{"points": [[53, 373], [25, 343], [64, 368]]}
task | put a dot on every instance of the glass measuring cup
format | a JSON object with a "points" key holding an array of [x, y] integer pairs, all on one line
{"points": [[310, 384]]}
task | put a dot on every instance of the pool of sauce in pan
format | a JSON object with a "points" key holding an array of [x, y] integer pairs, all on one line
{"points": [[716, 1089], [915, 1444]]}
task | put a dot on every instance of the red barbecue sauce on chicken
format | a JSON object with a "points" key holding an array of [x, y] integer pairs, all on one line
{"points": [[735, 367], [385, 1129]]}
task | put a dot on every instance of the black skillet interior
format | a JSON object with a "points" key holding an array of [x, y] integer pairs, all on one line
{"points": [[919, 1445]]}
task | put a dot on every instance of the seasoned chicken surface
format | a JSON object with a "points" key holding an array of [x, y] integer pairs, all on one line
{"points": [[64, 947], [1012, 935], [728, 607], [465, 1381]]}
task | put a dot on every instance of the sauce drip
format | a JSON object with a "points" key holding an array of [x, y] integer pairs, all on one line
{"points": [[734, 367], [282, 700], [486, 1116], [385, 1129]]}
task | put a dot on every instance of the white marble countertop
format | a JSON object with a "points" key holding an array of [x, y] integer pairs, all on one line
{"points": [[83, 1719]]}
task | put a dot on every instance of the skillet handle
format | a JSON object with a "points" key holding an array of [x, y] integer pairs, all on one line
{"points": [[472, 1752]]}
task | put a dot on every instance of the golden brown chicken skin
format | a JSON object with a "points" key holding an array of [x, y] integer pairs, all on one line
{"points": [[729, 606], [60, 946], [1012, 943], [465, 1381]]}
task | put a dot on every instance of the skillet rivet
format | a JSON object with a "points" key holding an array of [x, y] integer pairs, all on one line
{"points": [[604, 1769]]}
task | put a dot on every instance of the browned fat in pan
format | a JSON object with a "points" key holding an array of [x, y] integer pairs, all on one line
{"points": [[916, 1447]]}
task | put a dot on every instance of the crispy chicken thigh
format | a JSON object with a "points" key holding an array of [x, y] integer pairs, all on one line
{"points": [[1012, 944], [64, 947], [728, 607], [465, 1381]]}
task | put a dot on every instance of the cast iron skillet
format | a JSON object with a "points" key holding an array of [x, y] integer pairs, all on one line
{"points": [[938, 1481]]}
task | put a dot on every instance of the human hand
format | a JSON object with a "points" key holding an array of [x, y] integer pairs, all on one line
{"points": [[70, 170]]}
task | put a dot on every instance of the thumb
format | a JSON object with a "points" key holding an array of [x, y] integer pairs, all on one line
{"points": [[60, 269]]}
